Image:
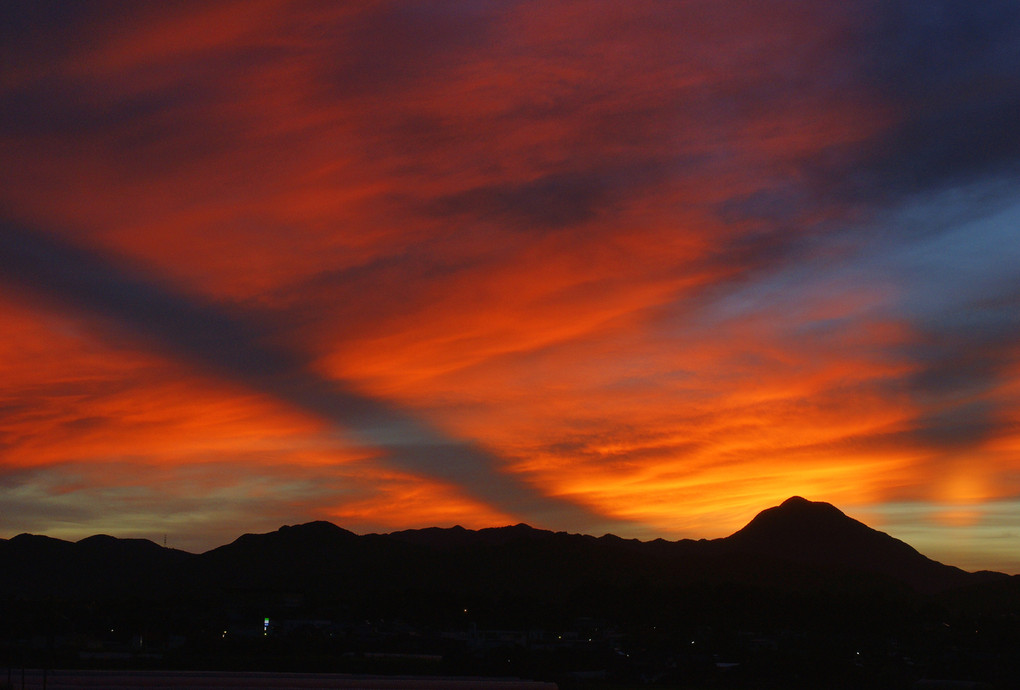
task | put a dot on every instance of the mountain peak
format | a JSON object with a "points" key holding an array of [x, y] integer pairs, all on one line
{"points": [[820, 533], [321, 527], [800, 504], [798, 521]]}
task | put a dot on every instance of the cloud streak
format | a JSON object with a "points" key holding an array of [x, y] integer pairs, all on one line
{"points": [[229, 346]]}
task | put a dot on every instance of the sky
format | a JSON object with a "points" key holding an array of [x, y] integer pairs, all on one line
{"points": [[643, 267]]}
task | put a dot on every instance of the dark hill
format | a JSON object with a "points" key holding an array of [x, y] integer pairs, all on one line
{"points": [[98, 566], [308, 555], [795, 545], [819, 534], [795, 594]]}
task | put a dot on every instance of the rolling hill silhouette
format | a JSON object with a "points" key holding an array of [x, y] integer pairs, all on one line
{"points": [[812, 532], [793, 597], [795, 546]]}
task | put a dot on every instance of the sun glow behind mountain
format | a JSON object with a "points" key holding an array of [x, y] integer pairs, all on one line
{"points": [[629, 267]]}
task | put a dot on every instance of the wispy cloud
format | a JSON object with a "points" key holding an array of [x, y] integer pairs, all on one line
{"points": [[234, 347]]}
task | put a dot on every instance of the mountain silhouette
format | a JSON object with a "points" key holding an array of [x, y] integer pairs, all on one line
{"points": [[818, 533], [799, 543], [792, 591], [100, 565]]}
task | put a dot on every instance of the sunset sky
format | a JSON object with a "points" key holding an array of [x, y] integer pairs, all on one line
{"points": [[635, 267]]}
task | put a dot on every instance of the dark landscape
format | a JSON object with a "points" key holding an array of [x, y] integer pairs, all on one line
{"points": [[803, 596], [562, 273]]}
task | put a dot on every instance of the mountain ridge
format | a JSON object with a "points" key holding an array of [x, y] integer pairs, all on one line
{"points": [[798, 575], [798, 534]]}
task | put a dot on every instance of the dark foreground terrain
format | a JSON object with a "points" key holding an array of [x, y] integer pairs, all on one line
{"points": [[32, 679], [802, 597]]}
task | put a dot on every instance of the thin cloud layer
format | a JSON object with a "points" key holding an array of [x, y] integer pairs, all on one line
{"points": [[642, 266], [229, 347]]}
